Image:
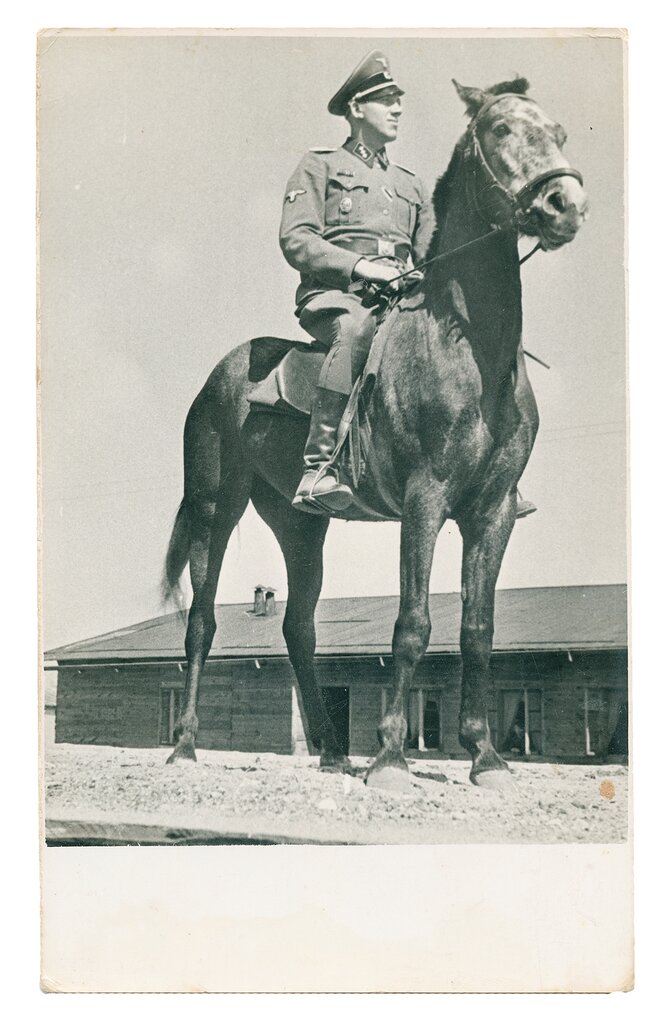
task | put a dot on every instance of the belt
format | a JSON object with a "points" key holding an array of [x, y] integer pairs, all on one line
{"points": [[376, 246]]}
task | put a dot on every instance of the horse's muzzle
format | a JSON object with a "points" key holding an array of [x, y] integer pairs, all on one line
{"points": [[557, 212]]}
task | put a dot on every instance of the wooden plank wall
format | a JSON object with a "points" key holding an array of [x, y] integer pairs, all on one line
{"points": [[560, 682], [261, 712], [240, 707], [215, 706], [108, 706], [367, 678], [245, 708]]}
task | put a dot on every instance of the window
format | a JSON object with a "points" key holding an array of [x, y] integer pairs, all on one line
{"points": [[170, 705], [521, 723], [425, 720], [336, 699], [604, 711]]}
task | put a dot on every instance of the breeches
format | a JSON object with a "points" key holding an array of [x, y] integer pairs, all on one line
{"points": [[339, 322]]}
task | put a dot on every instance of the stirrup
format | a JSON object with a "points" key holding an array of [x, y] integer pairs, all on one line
{"points": [[525, 508], [333, 496]]}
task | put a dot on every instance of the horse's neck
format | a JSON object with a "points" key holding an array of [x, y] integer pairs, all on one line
{"points": [[484, 281]]}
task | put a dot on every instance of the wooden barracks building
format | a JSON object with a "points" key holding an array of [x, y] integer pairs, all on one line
{"points": [[559, 669]]}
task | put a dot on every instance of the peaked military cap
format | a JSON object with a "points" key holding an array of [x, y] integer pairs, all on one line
{"points": [[370, 78]]}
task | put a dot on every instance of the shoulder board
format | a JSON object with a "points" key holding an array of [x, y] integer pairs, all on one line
{"points": [[322, 151], [405, 168]]}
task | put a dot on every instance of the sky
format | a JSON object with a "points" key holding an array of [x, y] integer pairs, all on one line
{"points": [[163, 162]]}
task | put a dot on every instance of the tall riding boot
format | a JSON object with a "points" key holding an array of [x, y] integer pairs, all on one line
{"points": [[320, 490]]}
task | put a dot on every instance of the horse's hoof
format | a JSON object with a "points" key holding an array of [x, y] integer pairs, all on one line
{"points": [[182, 754], [493, 780], [389, 778]]}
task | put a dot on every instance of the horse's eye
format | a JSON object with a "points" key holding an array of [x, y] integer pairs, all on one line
{"points": [[500, 130]]}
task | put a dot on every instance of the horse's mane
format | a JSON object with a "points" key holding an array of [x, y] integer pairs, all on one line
{"points": [[518, 86]]}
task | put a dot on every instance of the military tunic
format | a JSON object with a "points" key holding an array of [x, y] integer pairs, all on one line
{"points": [[342, 205]]}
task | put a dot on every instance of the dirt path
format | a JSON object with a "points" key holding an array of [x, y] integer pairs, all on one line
{"points": [[284, 797]]}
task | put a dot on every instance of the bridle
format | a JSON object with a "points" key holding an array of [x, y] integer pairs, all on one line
{"points": [[519, 204]]}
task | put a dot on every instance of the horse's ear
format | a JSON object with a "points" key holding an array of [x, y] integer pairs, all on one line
{"points": [[473, 98]]}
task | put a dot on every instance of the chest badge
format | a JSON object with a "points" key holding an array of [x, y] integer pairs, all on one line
{"points": [[345, 205]]}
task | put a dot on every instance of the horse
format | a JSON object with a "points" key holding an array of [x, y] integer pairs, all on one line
{"points": [[453, 421]]}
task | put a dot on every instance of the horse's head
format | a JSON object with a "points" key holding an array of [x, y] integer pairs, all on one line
{"points": [[522, 177]]}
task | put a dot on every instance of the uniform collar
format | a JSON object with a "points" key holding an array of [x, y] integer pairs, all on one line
{"points": [[365, 154]]}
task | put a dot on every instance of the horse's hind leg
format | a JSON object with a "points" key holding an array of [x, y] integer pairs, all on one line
{"points": [[211, 524], [301, 538], [485, 538]]}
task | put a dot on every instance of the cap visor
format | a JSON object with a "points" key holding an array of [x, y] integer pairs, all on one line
{"points": [[378, 92]]}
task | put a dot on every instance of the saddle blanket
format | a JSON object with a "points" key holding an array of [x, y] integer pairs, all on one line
{"points": [[289, 388]]}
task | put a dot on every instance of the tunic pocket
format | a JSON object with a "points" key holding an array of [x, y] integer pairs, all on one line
{"points": [[346, 202], [406, 210]]}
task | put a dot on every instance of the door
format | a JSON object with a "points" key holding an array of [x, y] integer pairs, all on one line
{"points": [[336, 699]]}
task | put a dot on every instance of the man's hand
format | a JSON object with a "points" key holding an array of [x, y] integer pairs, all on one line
{"points": [[379, 274]]}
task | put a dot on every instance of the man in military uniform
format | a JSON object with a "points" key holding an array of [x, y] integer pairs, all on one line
{"points": [[350, 217]]}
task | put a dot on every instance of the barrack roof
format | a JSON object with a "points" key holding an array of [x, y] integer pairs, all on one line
{"points": [[536, 619]]}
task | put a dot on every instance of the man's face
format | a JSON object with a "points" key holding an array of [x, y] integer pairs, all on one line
{"points": [[382, 115]]}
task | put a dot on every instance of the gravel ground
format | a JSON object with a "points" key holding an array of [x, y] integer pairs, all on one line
{"points": [[288, 796]]}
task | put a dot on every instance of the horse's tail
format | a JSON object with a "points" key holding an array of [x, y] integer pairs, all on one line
{"points": [[177, 557]]}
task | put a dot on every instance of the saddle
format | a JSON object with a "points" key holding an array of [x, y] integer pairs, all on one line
{"points": [[289, 386]]}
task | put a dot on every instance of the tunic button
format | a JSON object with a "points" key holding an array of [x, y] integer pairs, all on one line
{"points": [[385, 211]]}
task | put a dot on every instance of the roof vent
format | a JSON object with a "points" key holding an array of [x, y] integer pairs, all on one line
{"points": [[264, 601]]}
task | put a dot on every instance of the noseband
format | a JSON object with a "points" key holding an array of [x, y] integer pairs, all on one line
{"points": [[520, 203]]}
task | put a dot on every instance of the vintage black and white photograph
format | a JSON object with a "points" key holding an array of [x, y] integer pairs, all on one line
{"points": [[333, 439]]}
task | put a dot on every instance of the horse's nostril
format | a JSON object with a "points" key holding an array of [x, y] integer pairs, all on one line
{"points": [[557, 201]]}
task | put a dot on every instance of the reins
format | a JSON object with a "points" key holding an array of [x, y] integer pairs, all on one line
{"points": [[456, 250], [382, 293]]}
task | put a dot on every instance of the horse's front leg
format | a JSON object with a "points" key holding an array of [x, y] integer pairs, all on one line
{"points": [[425, 510], [485, 537]]}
